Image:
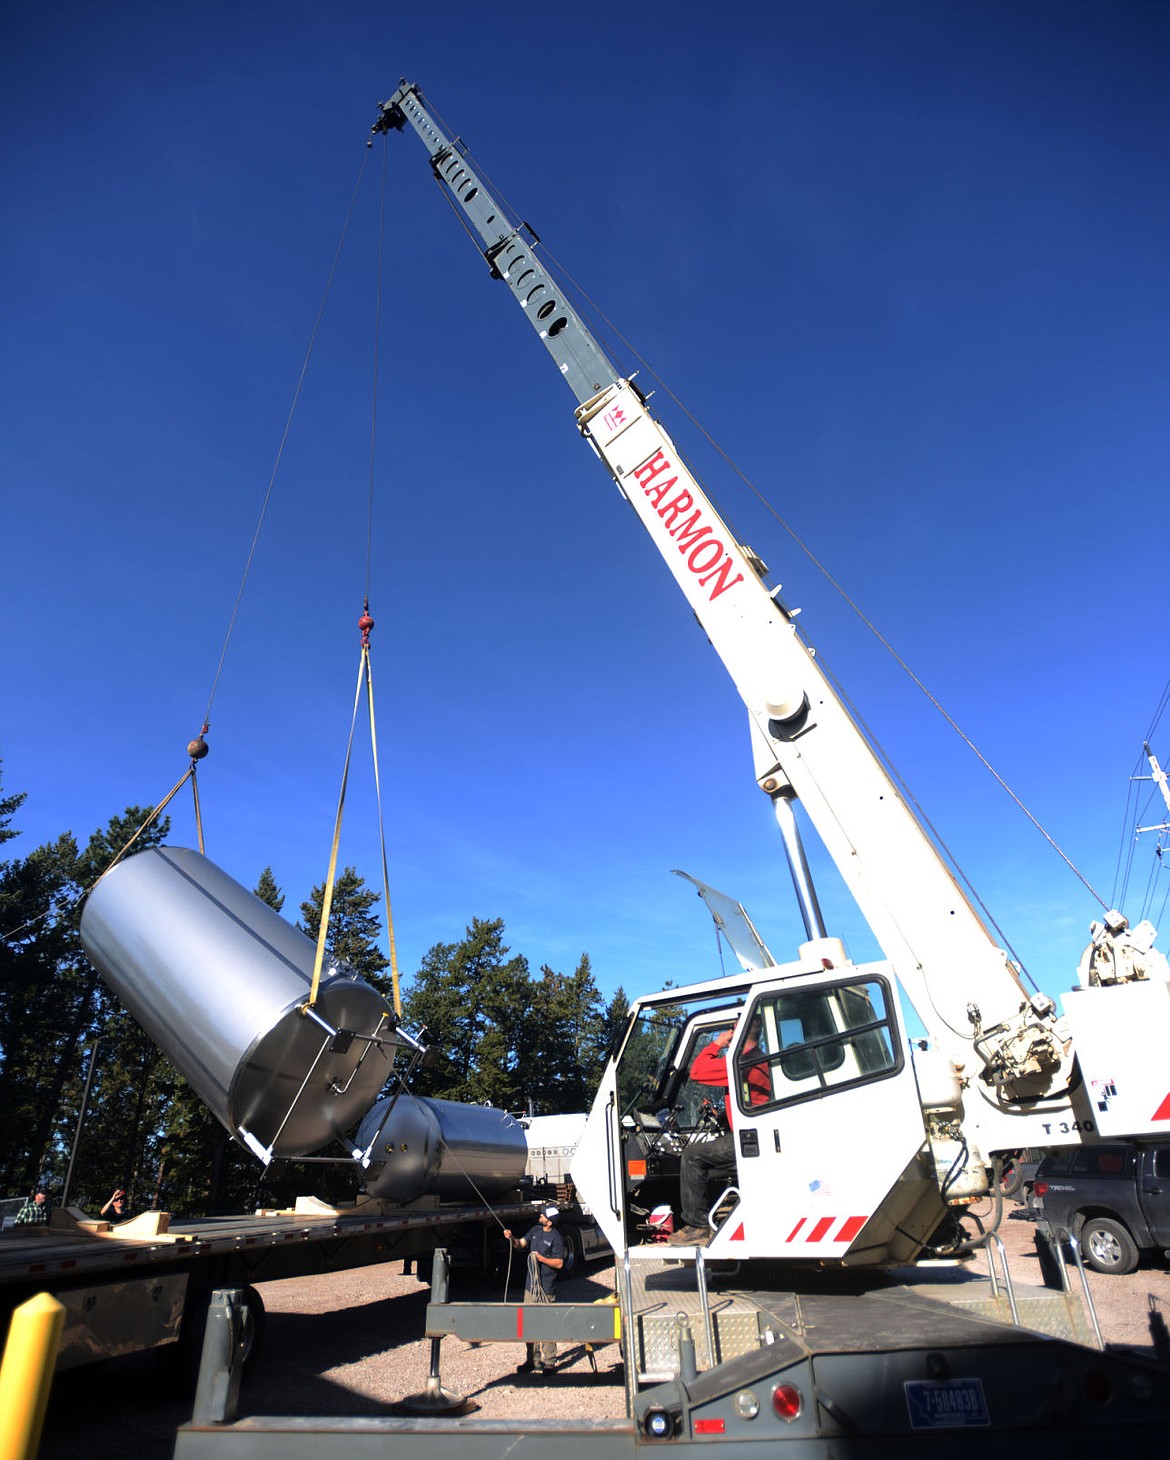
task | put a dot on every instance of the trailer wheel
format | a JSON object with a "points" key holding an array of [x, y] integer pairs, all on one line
{"points": [[1108, 1247], [188, 1352], [575, 1253]]}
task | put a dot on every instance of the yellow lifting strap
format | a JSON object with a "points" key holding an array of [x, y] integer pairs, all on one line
{"points": [[366, 678], [188, 775], [382, 835]]}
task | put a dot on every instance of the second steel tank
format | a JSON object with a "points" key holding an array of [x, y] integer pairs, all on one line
{"points": [[423, 1147]]}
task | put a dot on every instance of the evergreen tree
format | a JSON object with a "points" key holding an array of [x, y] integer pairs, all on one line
{"points": [[354, 927], [613, 1023], [45, 1003], [268, 891], [563, 1046], [9, 806], [473, 999], [52, 1004]]}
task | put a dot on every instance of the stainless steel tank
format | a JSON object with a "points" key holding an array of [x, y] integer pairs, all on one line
{"points": [[218, 979], [441, 1148]]}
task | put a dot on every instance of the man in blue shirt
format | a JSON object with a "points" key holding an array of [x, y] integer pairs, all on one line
{"points": [[546, 1257]]}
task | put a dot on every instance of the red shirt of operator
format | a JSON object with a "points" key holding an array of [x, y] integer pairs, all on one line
{"points": [[709, 1067]]}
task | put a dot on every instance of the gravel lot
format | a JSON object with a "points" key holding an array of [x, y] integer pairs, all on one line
{"points": [[349, 1343]]}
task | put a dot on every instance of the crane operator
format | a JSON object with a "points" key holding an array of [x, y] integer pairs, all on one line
{"points": [[702, 1160]]}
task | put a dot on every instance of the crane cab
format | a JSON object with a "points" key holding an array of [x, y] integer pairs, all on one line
{"points": [[822, 1105]]}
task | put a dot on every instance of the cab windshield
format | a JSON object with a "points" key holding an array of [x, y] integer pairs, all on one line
{"points": [[651, 1054]]}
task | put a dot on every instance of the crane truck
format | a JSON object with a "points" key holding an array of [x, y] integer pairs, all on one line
{"points": [[861, 1145], [854, 1149]]}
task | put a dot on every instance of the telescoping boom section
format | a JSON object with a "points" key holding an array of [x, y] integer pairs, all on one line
{"points": [[866, 1142]]}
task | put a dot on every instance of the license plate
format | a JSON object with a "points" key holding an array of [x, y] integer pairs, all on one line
{"points": [[946, 1404]]}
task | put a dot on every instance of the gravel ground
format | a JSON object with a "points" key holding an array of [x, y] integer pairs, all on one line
{"points": [[348, 1343]]}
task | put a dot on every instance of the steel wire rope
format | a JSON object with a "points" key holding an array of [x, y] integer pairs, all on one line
{"points": [[833, 583], [488, 1204], [155, 812], [284, 440], [935, 837], [366, 622], [1127, 839], [838, 588], [494, 1214], [1134, 812], [404, 1089], [190, 774]]}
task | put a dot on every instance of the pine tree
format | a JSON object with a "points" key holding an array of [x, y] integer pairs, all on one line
{"points": [[266, 890], [9, 806], [473, 1000], [45, 1003], [564, 1041], [613, 1023], [52, 1003], [354, 927]]}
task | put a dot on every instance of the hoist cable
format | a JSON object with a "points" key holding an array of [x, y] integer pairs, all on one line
{"points": [[1135, 807], [374, 389], [804, 548], [327, 897], [366, 623], [837, 588], [932, 831], [284, 438]]}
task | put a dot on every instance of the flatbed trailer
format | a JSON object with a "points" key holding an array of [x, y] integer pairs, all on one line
{"points": [[147, 1283], [923, 1361]]}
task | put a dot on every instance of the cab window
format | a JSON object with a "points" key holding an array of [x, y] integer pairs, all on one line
{"points": [[812, 1041]]}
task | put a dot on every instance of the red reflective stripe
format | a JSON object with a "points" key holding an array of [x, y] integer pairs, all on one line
{"points": [[794, 1231], [1163, 1110], [851, 1228], [818, 1232], [519, 1322], [738, 1234]]}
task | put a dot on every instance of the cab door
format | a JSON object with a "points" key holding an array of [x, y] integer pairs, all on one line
{"points": [[829, 1152]]}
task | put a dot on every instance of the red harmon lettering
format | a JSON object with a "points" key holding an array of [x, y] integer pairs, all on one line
{"points": [[704, 552]]}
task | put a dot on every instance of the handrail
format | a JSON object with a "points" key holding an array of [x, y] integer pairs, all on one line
{"points": [[1057, 1241], [629, 1330], [705, 1306], [1009, 1286]]}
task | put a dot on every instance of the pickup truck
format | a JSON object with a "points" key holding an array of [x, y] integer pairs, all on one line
{"points": [[1114, 1199]]}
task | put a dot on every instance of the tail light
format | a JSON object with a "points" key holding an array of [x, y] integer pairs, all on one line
{"points": [[1040, 1188], [787, 1401]]}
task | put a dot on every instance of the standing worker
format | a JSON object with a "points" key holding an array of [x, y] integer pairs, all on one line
{"points": [[35, 1212], [546, 1257]]}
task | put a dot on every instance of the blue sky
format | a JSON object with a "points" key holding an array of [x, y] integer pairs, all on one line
{"points": [[905, 261]]}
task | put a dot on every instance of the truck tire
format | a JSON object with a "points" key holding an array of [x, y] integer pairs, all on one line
{"points": [[575, 1253], [1107, 1246]]}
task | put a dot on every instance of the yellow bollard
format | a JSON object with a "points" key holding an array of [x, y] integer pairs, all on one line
{"points": [[26, 1373]]}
